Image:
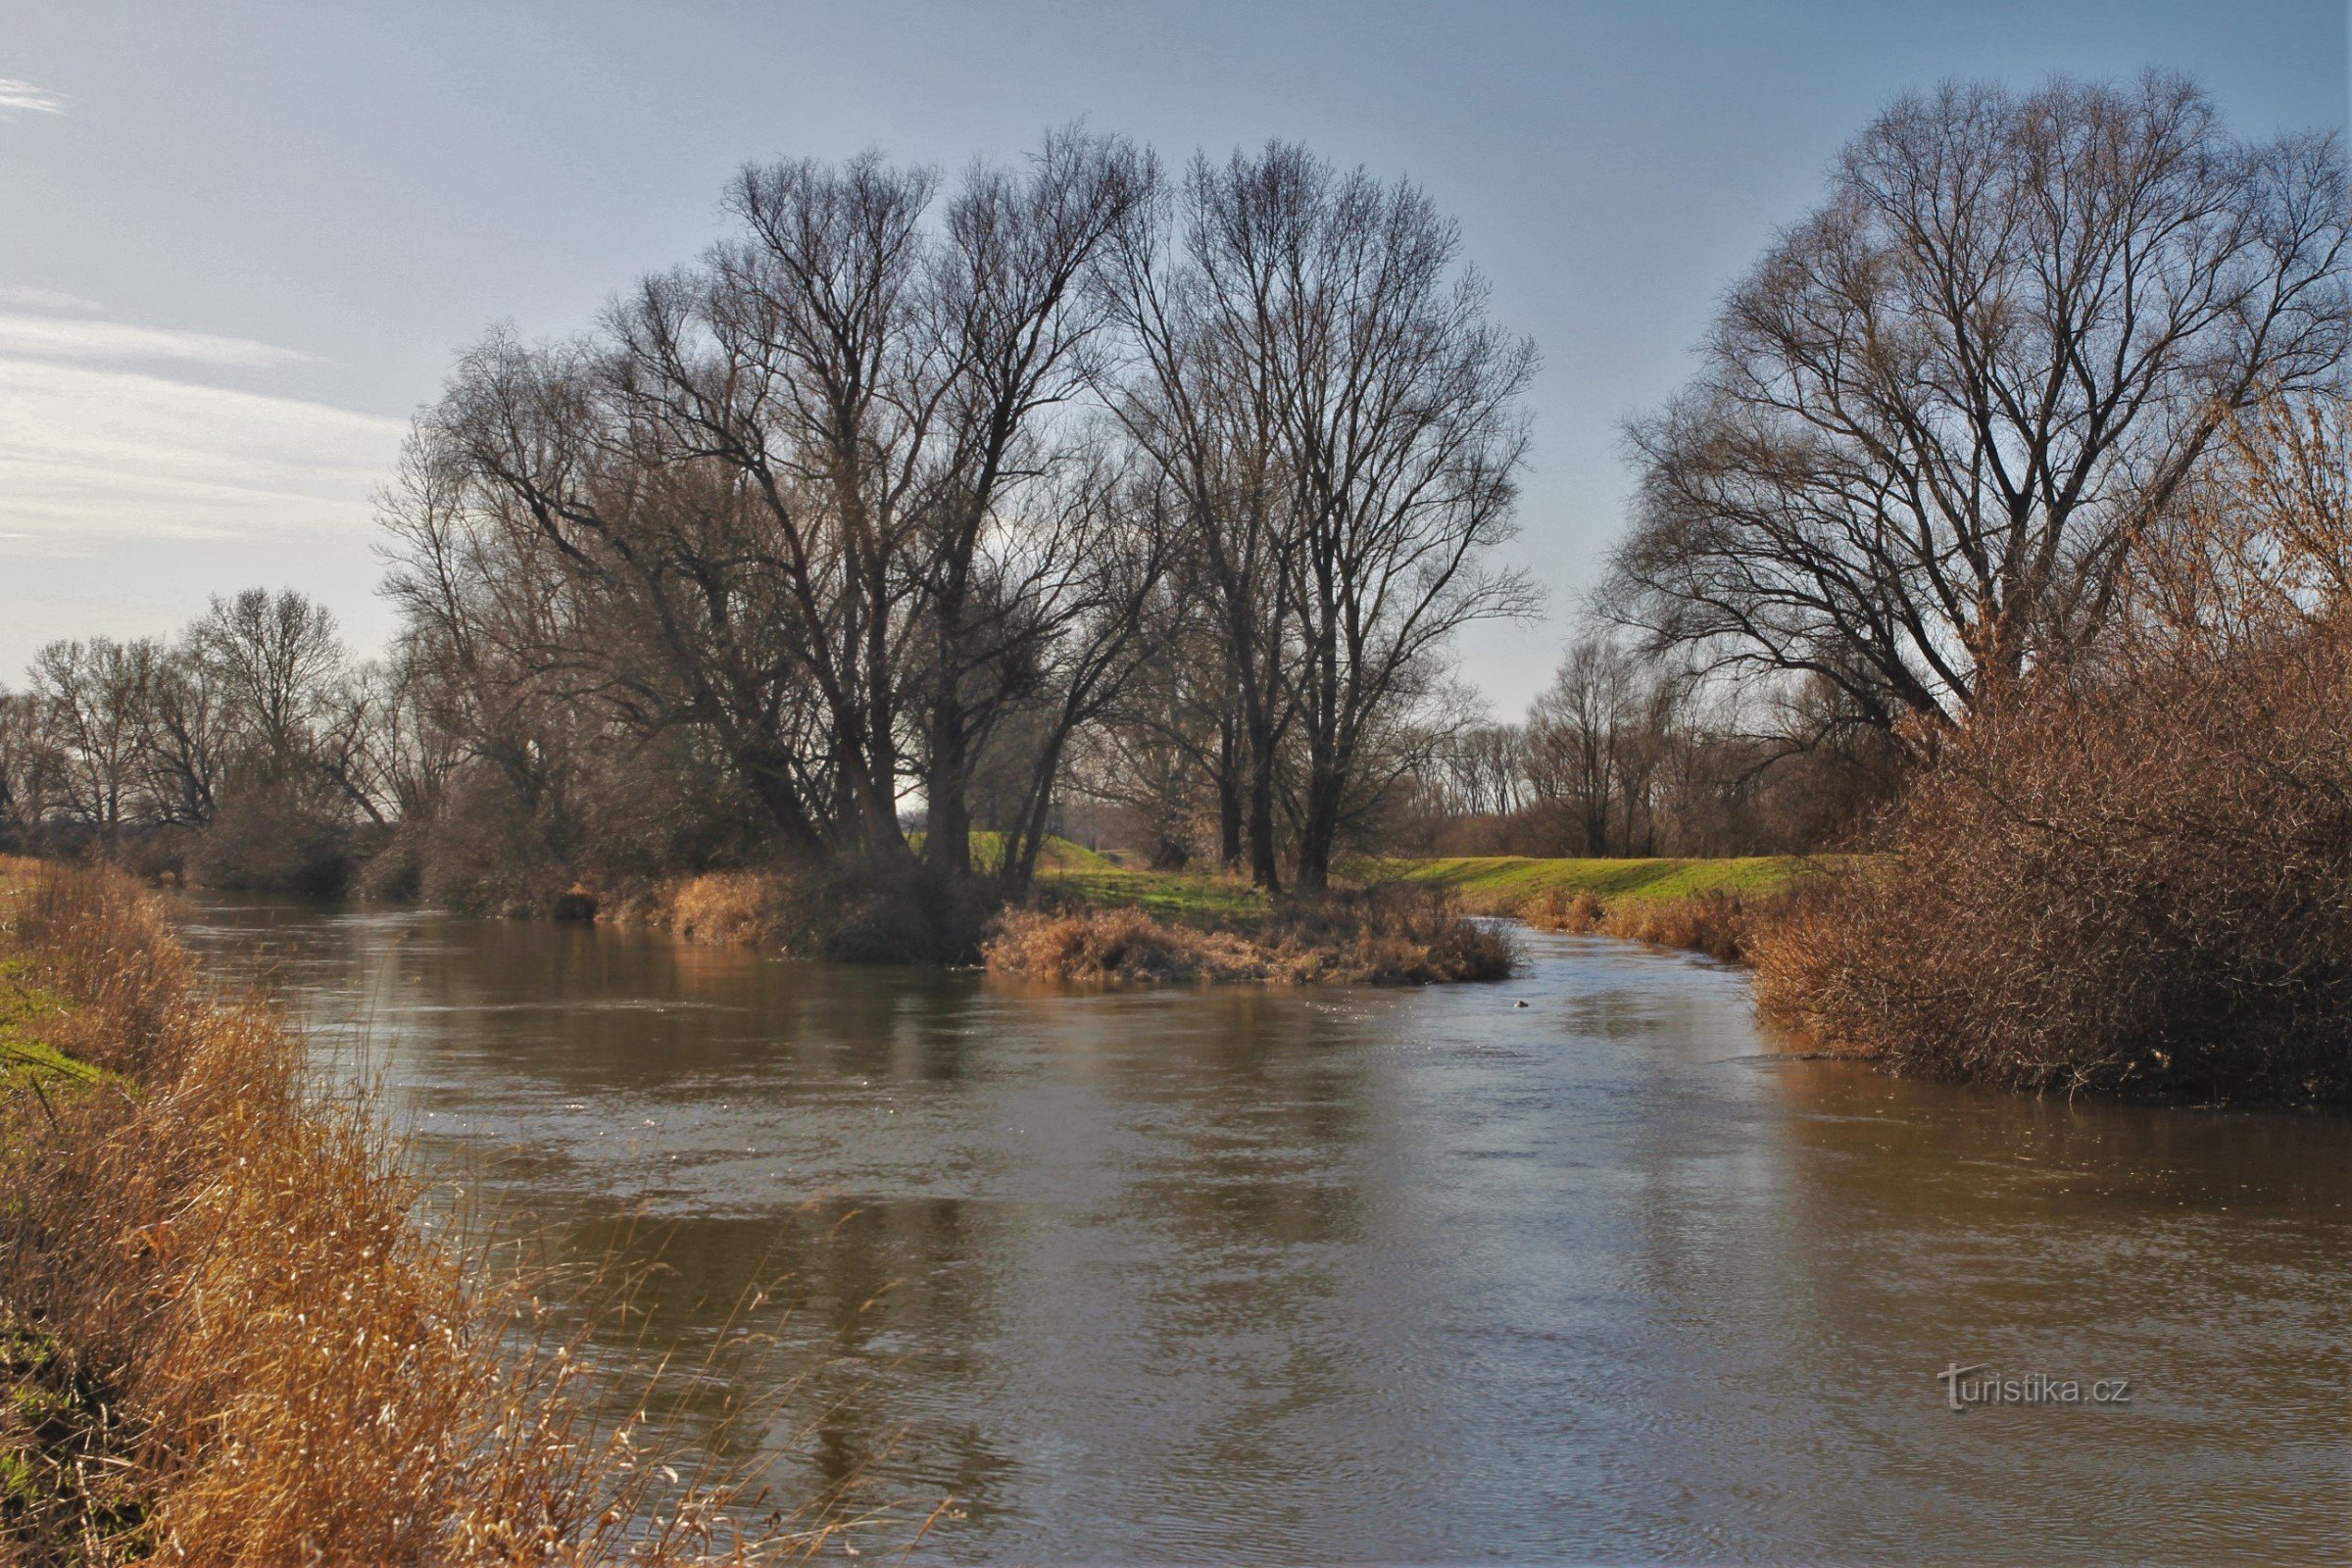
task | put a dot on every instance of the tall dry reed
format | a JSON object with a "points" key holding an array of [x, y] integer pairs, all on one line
{"points": [[223, 1261]]}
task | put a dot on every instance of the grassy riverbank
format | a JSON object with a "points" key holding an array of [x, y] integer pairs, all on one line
{"points": [[1716, 907], [1506, 884], [224, 1339]]}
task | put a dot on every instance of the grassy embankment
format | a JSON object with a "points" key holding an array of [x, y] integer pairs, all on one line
{"points": [[224, 1339], [1706, 906]]}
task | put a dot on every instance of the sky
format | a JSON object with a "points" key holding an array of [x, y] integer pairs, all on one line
{"points": [[241, 244]]}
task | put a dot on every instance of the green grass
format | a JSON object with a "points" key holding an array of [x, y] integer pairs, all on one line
{"points": [[27, 1060], [1485, 884], [1164, 893], [1057, 854], [1501, 883]]}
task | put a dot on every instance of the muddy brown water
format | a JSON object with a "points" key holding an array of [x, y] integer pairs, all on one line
{"points": [[1254, 1275]]}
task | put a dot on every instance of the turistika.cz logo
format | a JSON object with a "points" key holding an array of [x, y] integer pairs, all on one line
{"points": [[1966, 1387]]}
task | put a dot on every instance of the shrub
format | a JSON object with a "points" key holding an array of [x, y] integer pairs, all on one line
{"points": [[2141, 884], [274, 839], [1722, 925], [853, 911]]}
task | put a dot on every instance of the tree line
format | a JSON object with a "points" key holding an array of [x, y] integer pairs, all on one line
{"points": [[918, 517], [252, 744]]}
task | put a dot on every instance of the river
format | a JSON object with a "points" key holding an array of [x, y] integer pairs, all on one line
{"points": [[1568, 1268]]}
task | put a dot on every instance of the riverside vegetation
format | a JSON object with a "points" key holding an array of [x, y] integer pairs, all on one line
{"points": [[225, 1338]]}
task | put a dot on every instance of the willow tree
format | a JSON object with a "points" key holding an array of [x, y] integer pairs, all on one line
{"points": [[1316, 378], [807, 499], [1932, 421]]}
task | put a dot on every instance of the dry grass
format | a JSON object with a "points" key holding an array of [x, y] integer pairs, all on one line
{"points": [[1722, 925], [224, 1262], [852, 910], [1378, 937], [1095, 945], [741, 907]]}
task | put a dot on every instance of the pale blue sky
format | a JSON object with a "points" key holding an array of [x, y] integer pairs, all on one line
{"points": [[240, 243]]}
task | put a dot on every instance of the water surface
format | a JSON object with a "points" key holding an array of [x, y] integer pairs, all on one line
{"points": [[1254, 1275]]}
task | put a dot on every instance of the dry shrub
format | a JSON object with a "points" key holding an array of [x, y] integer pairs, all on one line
{"points": [[1375, 935], [731, 907], [1095, 945], [1389, 935], [2142, 885], [1558, 911], [228, 1261], [1722, 925], [857, 912]]}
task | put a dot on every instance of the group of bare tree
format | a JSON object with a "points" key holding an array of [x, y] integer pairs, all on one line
{"points": [[1936, 431], [253, 730], [885, 501], [1628, 752]]}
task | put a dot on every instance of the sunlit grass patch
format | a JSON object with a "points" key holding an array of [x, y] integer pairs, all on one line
{"points": [[1163, 892], [1499, 884]]}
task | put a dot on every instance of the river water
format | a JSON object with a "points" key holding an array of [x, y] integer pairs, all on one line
{"points": [[1256, 1275]]}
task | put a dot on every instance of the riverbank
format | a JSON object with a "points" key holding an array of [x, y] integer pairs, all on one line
{"points": [[1718, 906], [351, 1392]]}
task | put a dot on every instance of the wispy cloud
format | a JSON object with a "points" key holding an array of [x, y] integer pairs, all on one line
{"points": [[89, 453], [24, 296], [14, 94], [53, 337]]}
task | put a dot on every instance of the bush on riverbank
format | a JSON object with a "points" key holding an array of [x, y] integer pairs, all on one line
{"points": [[222, 1337], [1722, 925], [2145, 887], [1378, 936], [852, 911]]}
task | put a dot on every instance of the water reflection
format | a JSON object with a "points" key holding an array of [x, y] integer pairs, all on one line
{"points": [[1396, 1275]]}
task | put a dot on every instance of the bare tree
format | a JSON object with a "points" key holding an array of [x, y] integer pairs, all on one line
{"points": [[1586, 735], [810, 499], [94, 701], [270, 660], [29, 767], [188, 738], [1016, 326], [1316, 379], [1936, 418]]}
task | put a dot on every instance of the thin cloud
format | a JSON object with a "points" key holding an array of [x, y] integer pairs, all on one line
{"points": [[24, 297], [51, 337], [14, 94], [89, 453]]}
